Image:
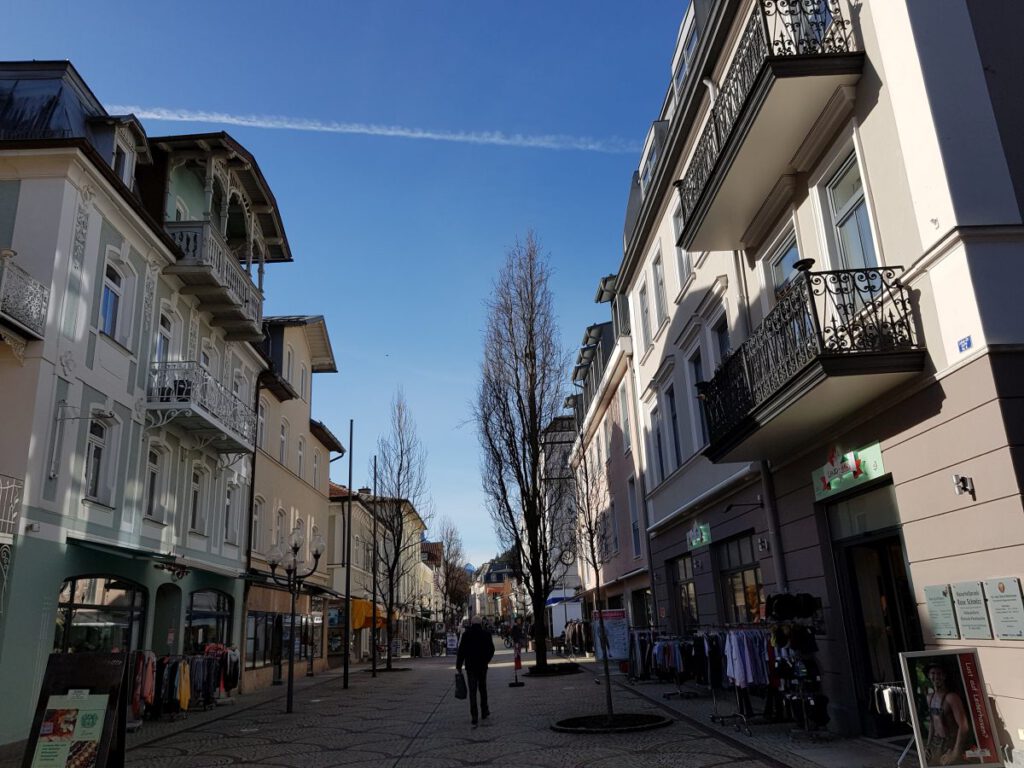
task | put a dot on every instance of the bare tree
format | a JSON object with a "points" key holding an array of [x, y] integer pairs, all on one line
{"points": [[521, 391], [451, 578], [591, 504], [401, 509]]}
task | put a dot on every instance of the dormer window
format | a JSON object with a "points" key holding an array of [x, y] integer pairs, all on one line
{"points": [[685, 60], [650, 163], [124, 160]]}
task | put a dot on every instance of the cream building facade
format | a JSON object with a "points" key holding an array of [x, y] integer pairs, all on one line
{"points": [[819, 246], [291, 493]]}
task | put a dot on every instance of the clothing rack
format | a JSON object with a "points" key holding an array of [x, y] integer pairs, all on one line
{"points": [[717, 650], [674, 654], [892, 699]]}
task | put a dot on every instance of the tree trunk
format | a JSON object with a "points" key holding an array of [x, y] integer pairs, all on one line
{"points": [[603, 639]]}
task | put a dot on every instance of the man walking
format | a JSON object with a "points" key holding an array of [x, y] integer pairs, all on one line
{"points": [[476, 649]]}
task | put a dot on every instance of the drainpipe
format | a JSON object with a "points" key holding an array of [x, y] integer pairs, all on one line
{"points": [[771, 516]]}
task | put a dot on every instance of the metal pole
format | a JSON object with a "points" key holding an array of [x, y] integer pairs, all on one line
{"points": [[373, 578], [293, 588], [348, 562]]}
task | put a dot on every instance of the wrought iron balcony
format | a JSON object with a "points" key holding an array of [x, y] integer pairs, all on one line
{"points": [[23, 299], [10, 505], [788, 63], [834, 341], [187, 394], [211, 271]]}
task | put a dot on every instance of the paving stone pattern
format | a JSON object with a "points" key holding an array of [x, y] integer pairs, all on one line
{"points": [[407, 719]]}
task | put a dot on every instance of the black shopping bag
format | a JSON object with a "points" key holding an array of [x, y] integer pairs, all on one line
{"points": [[460, 686]]}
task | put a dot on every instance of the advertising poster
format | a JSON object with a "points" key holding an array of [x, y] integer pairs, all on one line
{"points": [[1006, 608], [952, 721], [616, 627], [80, 716]]}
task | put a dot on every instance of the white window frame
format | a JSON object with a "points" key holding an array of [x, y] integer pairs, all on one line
{"points": [[657, 439], [660, 292], [634, 517], [627, 438], [97, 460], [127, 172], [644, 305], [697, 424], [282, 449], [164, 337], [845, 153], [280, 524], [117, 291], [256, 532], [302, 457], [671, 409], [316, 468], [289, 364], [303, 379], [197, 500], [261, 424], [154, 507], [684, 261]]}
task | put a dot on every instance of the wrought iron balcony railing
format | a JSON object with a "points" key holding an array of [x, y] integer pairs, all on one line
{"points": [[188, 386], [202, 243], [775, 28], [23, 299], [10, 504], [837, 314]]}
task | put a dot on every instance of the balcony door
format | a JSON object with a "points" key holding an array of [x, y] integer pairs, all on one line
{"points": [[849, 213]]}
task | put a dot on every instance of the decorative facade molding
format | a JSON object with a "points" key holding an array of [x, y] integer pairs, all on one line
{"points": [[68, 363], [15, 342]]}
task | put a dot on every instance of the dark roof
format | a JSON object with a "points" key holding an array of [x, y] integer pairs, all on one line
{"points": [[434, 552], [319, 340], [325, 436]]}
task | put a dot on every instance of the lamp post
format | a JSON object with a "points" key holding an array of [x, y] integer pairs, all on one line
{"points": [[293, 581]]}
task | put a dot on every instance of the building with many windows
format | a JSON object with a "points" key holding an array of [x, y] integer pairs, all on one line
{"points": [[290, 502], [131, 277], [819, 246]]}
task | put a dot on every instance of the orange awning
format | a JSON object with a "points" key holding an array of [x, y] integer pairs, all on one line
{"points": [[363, 614]]}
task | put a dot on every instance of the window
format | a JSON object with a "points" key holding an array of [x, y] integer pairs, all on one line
{"points": [[849, 215], [608, 440], [659, 448], [302, 450], [696, 377], [95, 487], [741, 579], [650, 164], [238, 387], [302, 381], [229, 523], [261, 425], [613, 524], [686, 594], [685, 58], [100, 613], [660, 304], [721, 334], [113, 286], [282, 453], [645, 317], [165, 334], [316, 469], [120, 161], [289, 363], [280, 528], [256, 537], [152, 505], [783, 265], [195, 519], [670, 399], [634, 518], [207, 620], [683, 261], [204, 359], [624, 418]]}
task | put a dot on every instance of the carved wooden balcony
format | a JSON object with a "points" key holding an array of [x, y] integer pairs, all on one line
{"points": [[787, 73], [185, 393], [212, 272], [834, 342]]}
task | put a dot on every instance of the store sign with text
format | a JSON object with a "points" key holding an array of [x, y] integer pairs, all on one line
{"points": [[699, 535], [847, 470]]}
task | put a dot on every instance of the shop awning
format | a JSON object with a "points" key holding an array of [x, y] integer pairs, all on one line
{"points": [[559, 600], [363, 614]]}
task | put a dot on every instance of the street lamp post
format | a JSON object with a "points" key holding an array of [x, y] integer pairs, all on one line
{"points": [[293, 581]]}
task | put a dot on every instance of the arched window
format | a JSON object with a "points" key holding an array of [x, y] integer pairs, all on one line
{"points": [[164, 337], [197, 513], [207, 620], [289, 365], [113, 287], [282, 454], [255, 540], [279, 533], [302, 381], [261, 425], [99, 613], [316, 469], [302, 451]]}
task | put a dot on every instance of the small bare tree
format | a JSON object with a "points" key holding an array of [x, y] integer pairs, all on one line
{"points": [[521, 391], [401, 509], [451, 578], [591, 504]]}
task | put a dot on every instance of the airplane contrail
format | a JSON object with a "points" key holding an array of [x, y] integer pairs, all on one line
{"points": [[276, 122]]}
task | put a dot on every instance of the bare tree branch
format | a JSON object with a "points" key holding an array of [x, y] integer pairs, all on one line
{"points": [[451, 578]]}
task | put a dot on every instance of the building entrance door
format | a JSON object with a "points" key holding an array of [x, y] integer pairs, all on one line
{"points": [[878, 603]]}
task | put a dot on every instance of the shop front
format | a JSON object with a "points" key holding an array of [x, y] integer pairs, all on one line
{"points": [[268, 635]]}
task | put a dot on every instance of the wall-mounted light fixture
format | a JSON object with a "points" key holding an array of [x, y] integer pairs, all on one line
{"points": [[963, 484], [762, 544]]}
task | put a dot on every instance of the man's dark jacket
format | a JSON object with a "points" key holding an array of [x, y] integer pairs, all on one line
{"points": [[475, 649]]}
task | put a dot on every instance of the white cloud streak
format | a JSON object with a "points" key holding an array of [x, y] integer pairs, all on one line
{"points": [[276, 122]]}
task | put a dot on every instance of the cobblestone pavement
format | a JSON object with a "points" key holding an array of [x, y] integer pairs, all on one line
{"points": [[409, 718]]}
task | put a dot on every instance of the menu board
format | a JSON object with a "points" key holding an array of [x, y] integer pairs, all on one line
{"points": [[970, 611], [616, 629], [939, 600], [80, 715], [1006, 608]]}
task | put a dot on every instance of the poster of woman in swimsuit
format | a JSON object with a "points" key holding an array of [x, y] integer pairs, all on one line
{"points": [[950, 711]]}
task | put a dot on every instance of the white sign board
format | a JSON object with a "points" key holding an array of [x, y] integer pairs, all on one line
{"points": [[1006, 608], [939, 600], [616, 628], [970, 611]]}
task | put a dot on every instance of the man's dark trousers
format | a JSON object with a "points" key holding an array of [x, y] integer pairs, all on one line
{"points": [[477, 681]]}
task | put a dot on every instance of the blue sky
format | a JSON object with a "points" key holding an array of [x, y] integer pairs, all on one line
{"points": [[397, 234]]}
